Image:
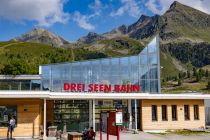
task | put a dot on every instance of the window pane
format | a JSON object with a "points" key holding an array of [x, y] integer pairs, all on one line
{"points": [[152, 46], [196, 112], [154, 113], [186, 112], [174, 112], [164, 113], [6, 112]]}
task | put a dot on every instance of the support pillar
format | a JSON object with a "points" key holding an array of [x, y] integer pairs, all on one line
{"points": [[135, 115], [90, 113], [130, 114], [94, 114], [45, 109]]}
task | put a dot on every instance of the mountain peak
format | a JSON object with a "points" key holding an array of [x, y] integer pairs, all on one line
{"points": [[91, 37], [41, 35], [175, 4]]}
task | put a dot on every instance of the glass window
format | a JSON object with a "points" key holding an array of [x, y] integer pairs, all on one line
{"points": [[35, 84], [153, 59], [154, 112], [25, 85], [144, 51], [153, 72], [152, 46], [164, 113], [145, 85], [124, 70], [153, 86], [6, 112], [144, 72], [196, 112], [95, 71], [75, 73], [143, 59], [105, 71], [186, 112], [72, 113], [174, 112]]}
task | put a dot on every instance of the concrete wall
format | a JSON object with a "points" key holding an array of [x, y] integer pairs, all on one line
{"points": [[181, 123], [29, 117]]}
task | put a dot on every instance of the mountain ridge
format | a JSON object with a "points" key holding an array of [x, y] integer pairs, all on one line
{"points": [[40, 35]]}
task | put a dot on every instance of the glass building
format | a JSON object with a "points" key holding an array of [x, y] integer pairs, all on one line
{"points": [[141, 69]]}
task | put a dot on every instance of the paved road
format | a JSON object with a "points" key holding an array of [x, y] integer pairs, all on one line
{"points": [[147, 136]]}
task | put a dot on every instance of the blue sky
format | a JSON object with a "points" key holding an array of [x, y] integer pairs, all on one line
{"points": [[72, 19]]}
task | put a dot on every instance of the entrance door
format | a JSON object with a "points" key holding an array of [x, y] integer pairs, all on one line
{"points": [[72, 114]]}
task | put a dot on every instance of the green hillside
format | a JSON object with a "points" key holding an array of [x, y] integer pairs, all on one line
{"points": [[25, 57]]}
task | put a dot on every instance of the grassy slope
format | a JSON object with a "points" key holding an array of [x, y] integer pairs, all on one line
{"points": [[34, 54]]}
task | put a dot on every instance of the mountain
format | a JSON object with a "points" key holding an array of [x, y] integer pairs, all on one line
{"points": [[39, 35], [90, 38], [178, 23], [184, 34], [181, 22]]}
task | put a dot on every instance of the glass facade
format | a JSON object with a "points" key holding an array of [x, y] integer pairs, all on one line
{"points": [[141, 69], [20, 82]]}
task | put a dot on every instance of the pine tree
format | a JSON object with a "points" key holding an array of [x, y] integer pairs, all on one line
{"points": [[179, 82], [207, 73], [188, 74], [208, 85], [194, 71]]}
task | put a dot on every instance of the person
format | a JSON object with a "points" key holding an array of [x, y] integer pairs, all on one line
{"points": [[91, 134], [11, 126]]}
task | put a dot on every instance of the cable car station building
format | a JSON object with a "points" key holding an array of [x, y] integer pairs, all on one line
{"points": [[74, 94]]}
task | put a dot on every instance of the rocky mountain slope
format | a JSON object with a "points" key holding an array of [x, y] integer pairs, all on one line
{"points": [[178, 23], [39, 35]]}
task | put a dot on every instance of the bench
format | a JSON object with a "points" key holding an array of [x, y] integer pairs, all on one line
{"points": [[74, 136]]}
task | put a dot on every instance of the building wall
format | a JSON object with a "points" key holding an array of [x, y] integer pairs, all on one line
{"points": [[29, 116], [181, 123], [50, 109]]}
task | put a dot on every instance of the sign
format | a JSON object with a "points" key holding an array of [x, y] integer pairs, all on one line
{"points": [[128, 88], [118, 118], [6, 118]]}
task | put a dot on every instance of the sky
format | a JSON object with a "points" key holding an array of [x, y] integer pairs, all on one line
{"points": [[72, 19]]}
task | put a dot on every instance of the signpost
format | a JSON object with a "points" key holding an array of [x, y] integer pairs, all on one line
{"points": [[113, 119]]}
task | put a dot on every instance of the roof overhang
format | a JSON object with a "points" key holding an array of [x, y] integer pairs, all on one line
{"points": [[83, 96]]}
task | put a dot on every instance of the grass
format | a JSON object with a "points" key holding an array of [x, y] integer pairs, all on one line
{"points": [[186, 87], [187, 132], [181, 132]]}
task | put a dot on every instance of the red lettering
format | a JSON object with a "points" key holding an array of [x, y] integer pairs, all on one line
{"points": [[107, 88], [129, 88], [83, 87], [136, 88], [73, 87], [101, 88], [95, 87], [66, 86], [117, 88], [90, 87], [123, 88]]}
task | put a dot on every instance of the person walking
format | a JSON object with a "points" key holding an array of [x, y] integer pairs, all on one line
{"points": [[11, 127], [91, 134]]}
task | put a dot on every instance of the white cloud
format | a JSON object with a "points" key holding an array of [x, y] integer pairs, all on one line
{"points": [[83, 21], [96, 7], [45, 12], [128, 6], [160, 6]]}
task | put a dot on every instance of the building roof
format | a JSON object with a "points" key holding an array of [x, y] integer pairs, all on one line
{"points": [[20, 77], [85, 96]]}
